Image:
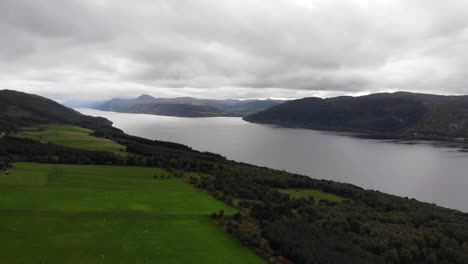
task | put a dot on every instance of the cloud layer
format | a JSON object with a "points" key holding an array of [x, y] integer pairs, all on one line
{"points": [[232, 49]]}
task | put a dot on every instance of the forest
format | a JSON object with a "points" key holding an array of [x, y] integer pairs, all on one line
{"points": [[397, 115]]}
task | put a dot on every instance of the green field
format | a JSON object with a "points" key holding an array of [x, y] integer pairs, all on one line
{"points": [[317, 194], [72, 136], [24, 178], [110, 214]]}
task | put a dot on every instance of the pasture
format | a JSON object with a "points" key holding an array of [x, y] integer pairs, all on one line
{"points": [[317, 194], [111, 214], [23, 178], [72, 136]]}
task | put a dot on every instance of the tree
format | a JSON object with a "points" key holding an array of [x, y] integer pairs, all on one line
{"points": [[391, 256]]}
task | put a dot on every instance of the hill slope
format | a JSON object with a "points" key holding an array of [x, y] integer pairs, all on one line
{"points": [[23, 110], [174, 109], [401, 113], [122, 105], [186, 106]]}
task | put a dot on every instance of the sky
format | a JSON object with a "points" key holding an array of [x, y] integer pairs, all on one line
{"points": [[100, 49]]}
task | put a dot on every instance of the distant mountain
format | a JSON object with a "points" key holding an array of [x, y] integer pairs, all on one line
{"points": [[395, 114], [174, 109], [186, 106], [253, 106], [19, 109], [82, 103], [122, 105]]}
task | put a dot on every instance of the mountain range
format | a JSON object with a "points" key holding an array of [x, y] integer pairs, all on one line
{"points": [[181, 106], [400, 114]]}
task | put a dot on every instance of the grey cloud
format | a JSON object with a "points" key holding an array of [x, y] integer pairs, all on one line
{"points": [[259, 48]]}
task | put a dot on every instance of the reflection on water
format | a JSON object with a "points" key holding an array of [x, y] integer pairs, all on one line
{"points": [[431, 172]]}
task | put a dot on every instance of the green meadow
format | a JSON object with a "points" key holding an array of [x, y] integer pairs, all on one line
{"points": [[110, 214], [317, 194], [24, 178], [72, 136]]}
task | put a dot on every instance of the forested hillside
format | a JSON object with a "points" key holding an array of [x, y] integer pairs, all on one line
{"points": [[19, 109], [186, 106], [394, 114]]}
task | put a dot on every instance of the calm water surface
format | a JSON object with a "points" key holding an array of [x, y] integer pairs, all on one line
{"points": [[423, 171]]}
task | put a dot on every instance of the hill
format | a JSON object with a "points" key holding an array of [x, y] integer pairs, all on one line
{"points": [[175, 109], [185, 106], [391, 114], [122, 105], [19, 109]]}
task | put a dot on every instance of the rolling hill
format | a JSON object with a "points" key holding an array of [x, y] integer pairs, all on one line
{"points": [[396, 114], [185, 106], [175, 109], [19, 109]]}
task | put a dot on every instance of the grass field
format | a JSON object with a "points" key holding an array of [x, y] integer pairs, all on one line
{"points": [[72, 136], [317, 194], [110, 214], [24, 178]]}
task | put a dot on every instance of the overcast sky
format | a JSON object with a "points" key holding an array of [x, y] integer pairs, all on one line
{"points": [[97, 49]]}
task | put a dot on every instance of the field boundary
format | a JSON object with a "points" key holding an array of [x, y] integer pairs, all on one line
{"points": [[122, 213]]}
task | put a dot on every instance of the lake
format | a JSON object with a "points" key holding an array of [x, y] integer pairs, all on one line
{"points": [[421, 170]]}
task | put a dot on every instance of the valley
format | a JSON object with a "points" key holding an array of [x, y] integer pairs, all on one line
{"points": [[144, 200]]}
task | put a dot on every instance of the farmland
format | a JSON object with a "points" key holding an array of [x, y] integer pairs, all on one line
{"points": [[110, 214], [316, 194], [72, 136]]}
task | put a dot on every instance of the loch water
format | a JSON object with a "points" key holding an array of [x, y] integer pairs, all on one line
{"points": [[429, 172]]}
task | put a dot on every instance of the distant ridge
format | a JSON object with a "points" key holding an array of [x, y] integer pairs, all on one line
{"points": [[400, 114], [186, 106], [146, 97]]}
